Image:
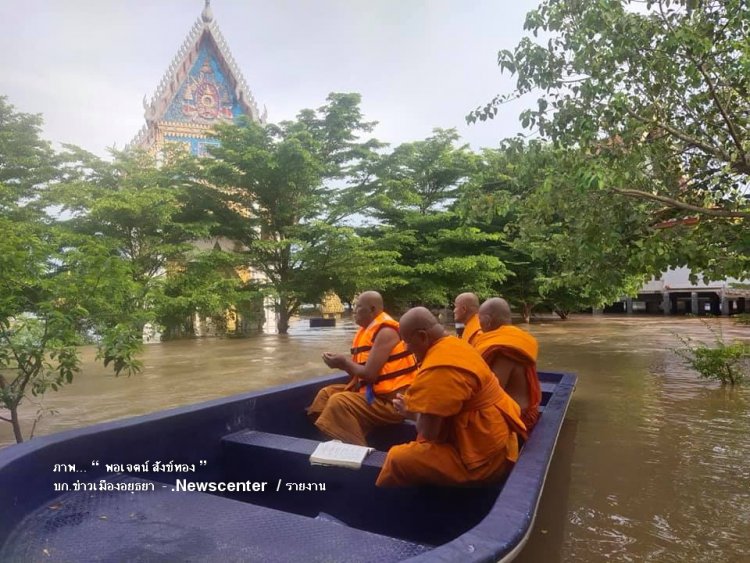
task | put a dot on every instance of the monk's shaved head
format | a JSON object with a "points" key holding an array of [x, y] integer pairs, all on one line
{"points": [[369, 305], [494, 313], [371, 298], [420, 330], [465, 306], [468, 300], [418, 318]]}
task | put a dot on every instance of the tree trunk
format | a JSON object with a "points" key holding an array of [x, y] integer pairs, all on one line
{"points": [[283, 324], [526, 313], [16, 424], [561, 313]]}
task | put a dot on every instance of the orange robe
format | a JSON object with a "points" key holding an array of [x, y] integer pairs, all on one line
{"points": [[344, 412], [478, 442], [472, 330], [519, 346]]}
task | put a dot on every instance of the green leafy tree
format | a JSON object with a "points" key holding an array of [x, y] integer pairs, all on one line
{"points": [[420, 177], [49, 291], [279, 189], [561, 241], [655, 95], [210, 284], [150, 215], [351, 263], [413, 195]]}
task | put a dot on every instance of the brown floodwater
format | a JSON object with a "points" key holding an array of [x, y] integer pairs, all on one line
{"points": [[652, 464]]}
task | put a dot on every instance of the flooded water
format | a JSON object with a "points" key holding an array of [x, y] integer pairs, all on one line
{"points": [[653, 463]]}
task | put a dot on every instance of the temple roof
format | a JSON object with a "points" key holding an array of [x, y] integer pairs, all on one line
{"points": [[204, 45]]}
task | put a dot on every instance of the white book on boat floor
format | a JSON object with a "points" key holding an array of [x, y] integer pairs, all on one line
{"points": [[339, 454]]}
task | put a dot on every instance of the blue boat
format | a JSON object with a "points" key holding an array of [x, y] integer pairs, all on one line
{"points": [[230, 480]]}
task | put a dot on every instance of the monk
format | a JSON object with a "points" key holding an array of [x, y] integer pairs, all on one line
{"points": [[380, 367], [465, 309], [467, 425], [512, 354]]}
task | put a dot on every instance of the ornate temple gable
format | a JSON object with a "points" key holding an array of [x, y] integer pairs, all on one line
{"points": [[202, 87]]}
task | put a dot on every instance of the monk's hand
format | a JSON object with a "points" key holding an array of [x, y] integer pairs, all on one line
{"points": [[334, 361], [400, 405]]}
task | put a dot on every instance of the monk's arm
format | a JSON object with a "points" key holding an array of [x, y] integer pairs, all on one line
{"points": [[503, 367], [385, 341], [429, 425], [400, 405]]}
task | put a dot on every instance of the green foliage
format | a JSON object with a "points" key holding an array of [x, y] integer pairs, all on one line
{"points": [[420, 177], [207, 283], [140, 218], [562, 240], [275, 195], [655, 97], [724, 362], [439, 257], [411, 196], [119, 346], [26, 162], [52, 289]]}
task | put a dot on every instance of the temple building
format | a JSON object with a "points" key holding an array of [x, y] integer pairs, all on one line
{"points": [[202, 87]]}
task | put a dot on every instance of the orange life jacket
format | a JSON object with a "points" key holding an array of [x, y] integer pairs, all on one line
{"points": [[400, 368]]}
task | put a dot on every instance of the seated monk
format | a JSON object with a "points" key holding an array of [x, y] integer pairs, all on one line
{"points": [[465, 309], [379, 366], [467, 425], [511, 353]]}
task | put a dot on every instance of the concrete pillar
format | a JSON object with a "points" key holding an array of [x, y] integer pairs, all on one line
{"points": [[724, 305], [629, 305], [694, 302], [666, 303], [197, 325]]}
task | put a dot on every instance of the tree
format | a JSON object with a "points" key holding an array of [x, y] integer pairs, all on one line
{"points": [[150, 215], [563, 242], [439, 257], [420, 177], [280, 187], [48, 290], [412, 195], [655, 95], [352, 263]]}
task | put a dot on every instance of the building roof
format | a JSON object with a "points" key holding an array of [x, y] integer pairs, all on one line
{"points": [[204, 35]]}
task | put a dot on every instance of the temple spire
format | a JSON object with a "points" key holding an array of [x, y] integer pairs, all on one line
{"points": [[202, 86], [207, 15]]}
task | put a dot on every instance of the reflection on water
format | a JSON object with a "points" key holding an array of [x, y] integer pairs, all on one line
{"points": [[651, 465]]}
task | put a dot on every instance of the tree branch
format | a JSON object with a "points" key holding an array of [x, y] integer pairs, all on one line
{"points": [[700, 65], [717, 153], [724, 113], [714, 212]]}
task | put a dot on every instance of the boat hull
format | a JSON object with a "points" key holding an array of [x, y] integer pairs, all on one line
{"points": [[114, 502]]}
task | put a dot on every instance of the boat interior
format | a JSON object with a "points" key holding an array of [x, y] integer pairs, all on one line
{"points": [[306, 512]]}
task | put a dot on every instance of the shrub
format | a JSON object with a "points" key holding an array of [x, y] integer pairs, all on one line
{"points": [[727, 363]]}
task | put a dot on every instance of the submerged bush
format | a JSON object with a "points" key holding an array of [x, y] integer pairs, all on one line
{"points": [[727, 363]]}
